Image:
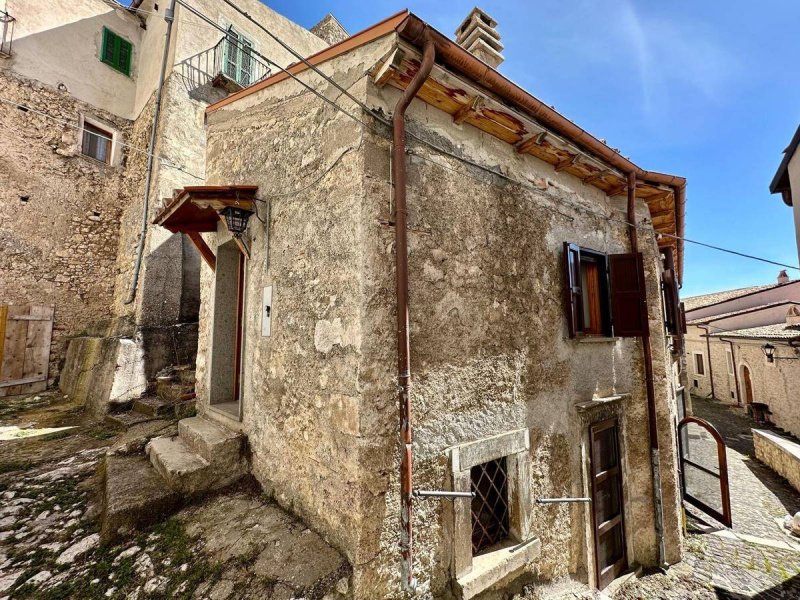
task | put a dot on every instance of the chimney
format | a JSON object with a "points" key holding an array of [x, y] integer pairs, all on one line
{"points": [[783, 277], [793, 316], [478, 35]]}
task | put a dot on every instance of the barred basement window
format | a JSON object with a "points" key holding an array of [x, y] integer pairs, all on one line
{"points": [[490, 523]]}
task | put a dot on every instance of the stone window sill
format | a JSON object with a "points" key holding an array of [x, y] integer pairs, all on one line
{"points": [[597, 339], [490, 568], [597, 402]]}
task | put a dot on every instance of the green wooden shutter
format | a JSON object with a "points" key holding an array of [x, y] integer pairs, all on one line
{"points": [[116, 52]]}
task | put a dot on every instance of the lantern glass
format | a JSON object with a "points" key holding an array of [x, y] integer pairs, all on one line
{"points": [[236, 219], [769, 352]]}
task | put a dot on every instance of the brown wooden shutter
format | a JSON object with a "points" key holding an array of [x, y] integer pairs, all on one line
{"points": [[672, 302], [572, 287], [683, 318], [628, 295]]}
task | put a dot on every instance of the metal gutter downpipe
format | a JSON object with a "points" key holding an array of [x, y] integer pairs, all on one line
{"points": [[655, 459], [401, 281], [169, 17]]}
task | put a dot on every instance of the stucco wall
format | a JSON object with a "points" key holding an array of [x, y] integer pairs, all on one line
{"points": [[61, 44], [60, 246], [490, 350], [794, 182]]}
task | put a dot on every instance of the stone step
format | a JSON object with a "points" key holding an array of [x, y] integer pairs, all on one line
{"points": [[171, 391], [182, 469], [216, 444], [152, 406], [127, 420], [134, 496]]}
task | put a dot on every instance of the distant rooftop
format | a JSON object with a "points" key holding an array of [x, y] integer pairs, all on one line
{"points": [[779, 331], [695, 302], [744, 311]]}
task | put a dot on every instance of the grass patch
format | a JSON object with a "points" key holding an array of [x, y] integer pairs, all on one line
{"points": [[10, 466], [169, 542]]}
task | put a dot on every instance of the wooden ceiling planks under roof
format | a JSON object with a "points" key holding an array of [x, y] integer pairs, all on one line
{"points": [[483, 110]]}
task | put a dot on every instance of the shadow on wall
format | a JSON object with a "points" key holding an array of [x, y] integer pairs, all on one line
{"points": [[75, 48]]}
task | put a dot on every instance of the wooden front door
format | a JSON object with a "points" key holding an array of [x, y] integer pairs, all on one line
{"points": [[608, 521], [25, 334], [747, 381]]}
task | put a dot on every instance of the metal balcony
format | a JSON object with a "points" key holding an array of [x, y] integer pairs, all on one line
{"points": [[229, 66], [7, 23]]}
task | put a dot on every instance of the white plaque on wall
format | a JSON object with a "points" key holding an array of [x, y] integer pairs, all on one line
{"points": [[266, 312]]}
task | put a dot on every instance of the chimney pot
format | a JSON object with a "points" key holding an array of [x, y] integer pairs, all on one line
{"points": [[478, 34]]}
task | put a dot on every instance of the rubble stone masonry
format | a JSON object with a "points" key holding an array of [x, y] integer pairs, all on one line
{"points": [[59, 210]]}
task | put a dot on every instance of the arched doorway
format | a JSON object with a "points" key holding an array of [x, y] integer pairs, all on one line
{"points": [[747, 385]]}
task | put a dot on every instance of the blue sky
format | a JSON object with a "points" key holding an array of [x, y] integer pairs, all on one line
{"points": [[707, 90]]}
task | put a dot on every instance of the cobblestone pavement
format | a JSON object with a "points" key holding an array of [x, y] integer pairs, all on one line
{"points": [[757, 558]]}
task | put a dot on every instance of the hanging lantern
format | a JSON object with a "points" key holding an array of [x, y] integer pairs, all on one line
{"points": [[236, 219], [769, 352]]}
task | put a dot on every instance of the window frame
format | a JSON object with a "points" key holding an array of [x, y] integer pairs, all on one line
{"points": [[237, 47], [116, 43], [111, 132], [621, 296], [475, 573], [697, 372], [729, 361]]}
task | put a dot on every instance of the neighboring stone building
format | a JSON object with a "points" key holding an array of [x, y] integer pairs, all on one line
{"points": [[728, 333], [786, 181], [77, 86], [520, 376]]}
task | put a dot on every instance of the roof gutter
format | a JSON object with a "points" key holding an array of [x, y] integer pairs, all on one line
{"points": [[447, 51]]}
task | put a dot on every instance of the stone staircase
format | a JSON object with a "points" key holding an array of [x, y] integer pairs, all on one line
{"points": [[203, 456], [174, 398], [139, 490]]}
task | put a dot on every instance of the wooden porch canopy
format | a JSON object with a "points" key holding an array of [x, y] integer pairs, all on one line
{"points": [[195, 209]]}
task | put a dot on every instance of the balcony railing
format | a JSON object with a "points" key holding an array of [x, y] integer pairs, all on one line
{"points": [[229, 65], [7, 23]]}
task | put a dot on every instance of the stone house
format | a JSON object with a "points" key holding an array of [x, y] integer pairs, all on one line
{"points": [[786, 181], [727, 335], [79, 81], [539, 328]]}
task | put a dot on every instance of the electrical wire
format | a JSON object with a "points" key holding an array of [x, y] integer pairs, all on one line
{"points": [[427, 143], [165, 162]]}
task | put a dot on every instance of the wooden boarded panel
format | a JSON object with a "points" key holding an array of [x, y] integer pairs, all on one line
{"points": [[26, 349]]}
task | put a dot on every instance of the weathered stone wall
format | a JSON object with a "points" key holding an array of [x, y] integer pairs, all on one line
{"points": [[59, 211], [776, 384], [490, 351], [780, 454]]}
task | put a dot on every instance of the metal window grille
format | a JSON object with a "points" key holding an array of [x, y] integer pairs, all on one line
{"points": [[490, 504]]}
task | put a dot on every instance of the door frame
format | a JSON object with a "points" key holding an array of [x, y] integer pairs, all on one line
{"points": [[607, 574], [722, 459], [747, 383]]}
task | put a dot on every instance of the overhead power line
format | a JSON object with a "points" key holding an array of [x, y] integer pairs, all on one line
{"points": [[162, 160], [384, 121]]}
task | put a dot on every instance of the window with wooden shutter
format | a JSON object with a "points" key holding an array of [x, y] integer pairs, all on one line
{"points": [[116, 51], [586, 291], [572, 287], [628, 295], [669, 288]]}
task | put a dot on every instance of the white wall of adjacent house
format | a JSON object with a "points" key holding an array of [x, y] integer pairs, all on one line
{"points": [[757, 318], [794, 183], [60, 46], [788, 291]]}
